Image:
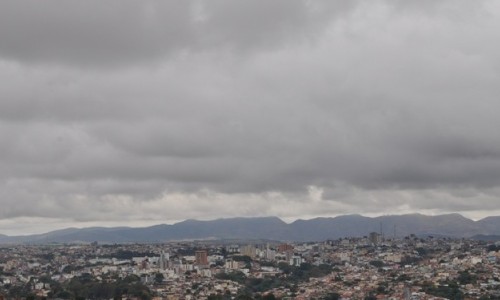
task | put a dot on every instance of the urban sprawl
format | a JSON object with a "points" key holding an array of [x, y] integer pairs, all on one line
{"points": [[370, 267]]}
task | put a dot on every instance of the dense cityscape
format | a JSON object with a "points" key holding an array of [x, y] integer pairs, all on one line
{"points": [[370, 267]]}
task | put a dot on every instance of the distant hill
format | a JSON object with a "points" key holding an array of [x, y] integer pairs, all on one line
{"points": [[490, 224], [273, 228], [486, 238]]}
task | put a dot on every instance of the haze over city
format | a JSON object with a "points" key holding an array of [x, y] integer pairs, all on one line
{"points": [[133, 113]]}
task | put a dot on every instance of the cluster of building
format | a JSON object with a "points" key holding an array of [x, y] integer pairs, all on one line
{"points": [[359, 268]]}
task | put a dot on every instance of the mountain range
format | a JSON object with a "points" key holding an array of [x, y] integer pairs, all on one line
{"points": [[273, 228]]}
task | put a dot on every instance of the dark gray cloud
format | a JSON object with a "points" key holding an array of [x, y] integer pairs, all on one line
{"points": [[120, 33], [93, 32], [153, 111]]}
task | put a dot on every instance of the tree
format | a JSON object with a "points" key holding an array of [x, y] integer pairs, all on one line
{"points": [[269, 297], [377, 263], [243, 258], [159, 278], [236, 276], [215, 297], [371, 297], [331, 296], [465, 277]]}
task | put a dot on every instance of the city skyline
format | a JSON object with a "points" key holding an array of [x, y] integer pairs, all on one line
{"points": [[142, 112]]}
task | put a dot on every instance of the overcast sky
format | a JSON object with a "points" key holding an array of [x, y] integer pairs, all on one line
{"points": [[145, 112]]}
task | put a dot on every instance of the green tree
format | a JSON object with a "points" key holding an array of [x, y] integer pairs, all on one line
{"points": [[159, 278], [236, 276], [377, 263], [465, 277], [331, 296], [269, 297]]}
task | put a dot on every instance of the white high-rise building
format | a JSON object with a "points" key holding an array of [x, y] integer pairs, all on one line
{"points": [[163, 261]]}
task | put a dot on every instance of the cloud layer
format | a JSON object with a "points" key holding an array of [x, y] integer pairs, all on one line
{"points": [[127, 112]]}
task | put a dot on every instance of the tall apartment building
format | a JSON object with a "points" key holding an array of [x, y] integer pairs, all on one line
{"points": [[201, 257]]}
